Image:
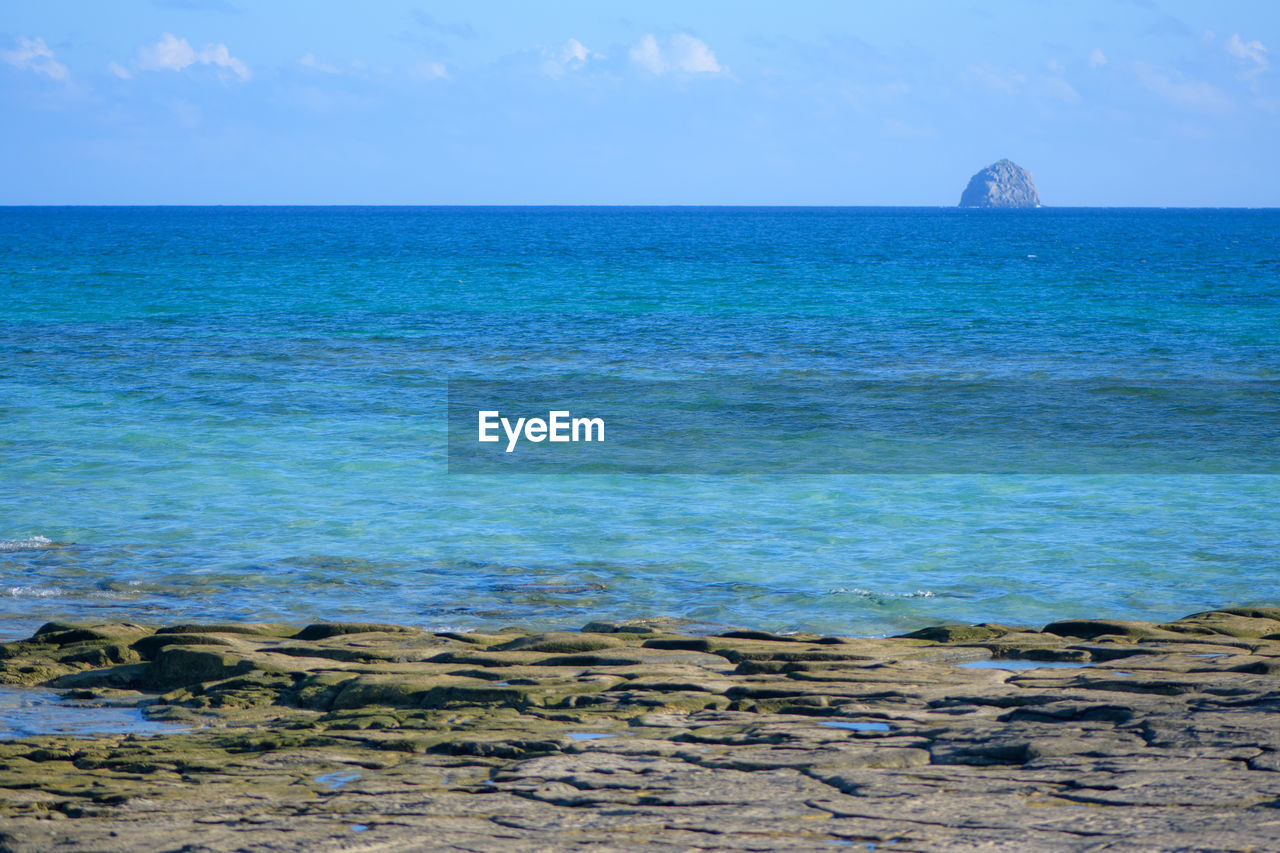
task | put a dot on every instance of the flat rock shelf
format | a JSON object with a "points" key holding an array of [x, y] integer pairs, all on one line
{"points": [[631, 736]]}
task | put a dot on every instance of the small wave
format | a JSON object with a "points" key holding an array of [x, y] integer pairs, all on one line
{"points": [[35, 542], [868, 593], [61, 592], [551, 589], [35, 591]]}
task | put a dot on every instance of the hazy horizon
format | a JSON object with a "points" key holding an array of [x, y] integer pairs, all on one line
{"points": [[659, 206], [214, 102]]}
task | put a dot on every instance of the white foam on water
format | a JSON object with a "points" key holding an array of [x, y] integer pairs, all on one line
{"points": [[35, 591], [58, 592], [868, 593], [32, 543]]}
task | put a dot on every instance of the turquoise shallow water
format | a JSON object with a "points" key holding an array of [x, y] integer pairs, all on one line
{"points": [[239, 413]]}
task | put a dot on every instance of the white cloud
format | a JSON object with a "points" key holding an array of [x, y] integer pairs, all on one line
{"points": [[648, 55], [310, 61], [692, 55], [683, 53], [1185, 92], [1252, 53], [999, 79], [35, 55], [427, 70], [219, 55], [1007, 82], [1097, 58], [169, 54], [174, 54], [572, 56], [574, 51], [119, 70], [1056, 88]]}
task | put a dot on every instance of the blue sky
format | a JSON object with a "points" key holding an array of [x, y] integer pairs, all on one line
{"points": [[1123, 102]]}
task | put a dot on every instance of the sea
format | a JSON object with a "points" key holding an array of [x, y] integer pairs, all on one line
{"points": [[222, 413]]}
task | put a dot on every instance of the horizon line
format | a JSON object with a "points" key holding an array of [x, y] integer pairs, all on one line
{"points": [[649, 206]]}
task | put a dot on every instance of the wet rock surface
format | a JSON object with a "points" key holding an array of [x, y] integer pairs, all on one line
{"points": [[1104, 735]]}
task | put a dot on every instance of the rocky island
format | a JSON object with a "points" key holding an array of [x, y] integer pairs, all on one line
{"points": [[1083, 735], [1002, 184]]}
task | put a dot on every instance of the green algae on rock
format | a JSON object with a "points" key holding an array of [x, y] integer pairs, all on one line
{"points": [[649, 739]]}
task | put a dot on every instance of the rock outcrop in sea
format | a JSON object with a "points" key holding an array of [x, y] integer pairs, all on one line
{"points": [[1002, 184]]}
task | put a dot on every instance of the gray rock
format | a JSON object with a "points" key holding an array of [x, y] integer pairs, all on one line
{"points": [[1002, 184], [375, 740]]}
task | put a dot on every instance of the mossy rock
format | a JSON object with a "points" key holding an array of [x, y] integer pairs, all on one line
{"points": [[128, 676], [180, 666], [680, 643], [770, 637], [256, 629], [474, 639], [66, 634], [491, 659], [319, 690], [494, 748], [600, 627], [1223, 623], [1261, 667], [150, 645], [467, 695], [54, 628], [782, 653], [346, 655], [958, 633], [1272, 613], [592, 660], [98, 654], [559, 643], [1091, 629], [270, 682], [392, 691], [1049, 654], [321, 630], [364, 722]]}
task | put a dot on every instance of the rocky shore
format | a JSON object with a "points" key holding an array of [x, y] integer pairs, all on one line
{"points": [[634, 736]]}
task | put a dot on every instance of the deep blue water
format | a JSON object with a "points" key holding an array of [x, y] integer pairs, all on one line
{"points": [[239, 412]]}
